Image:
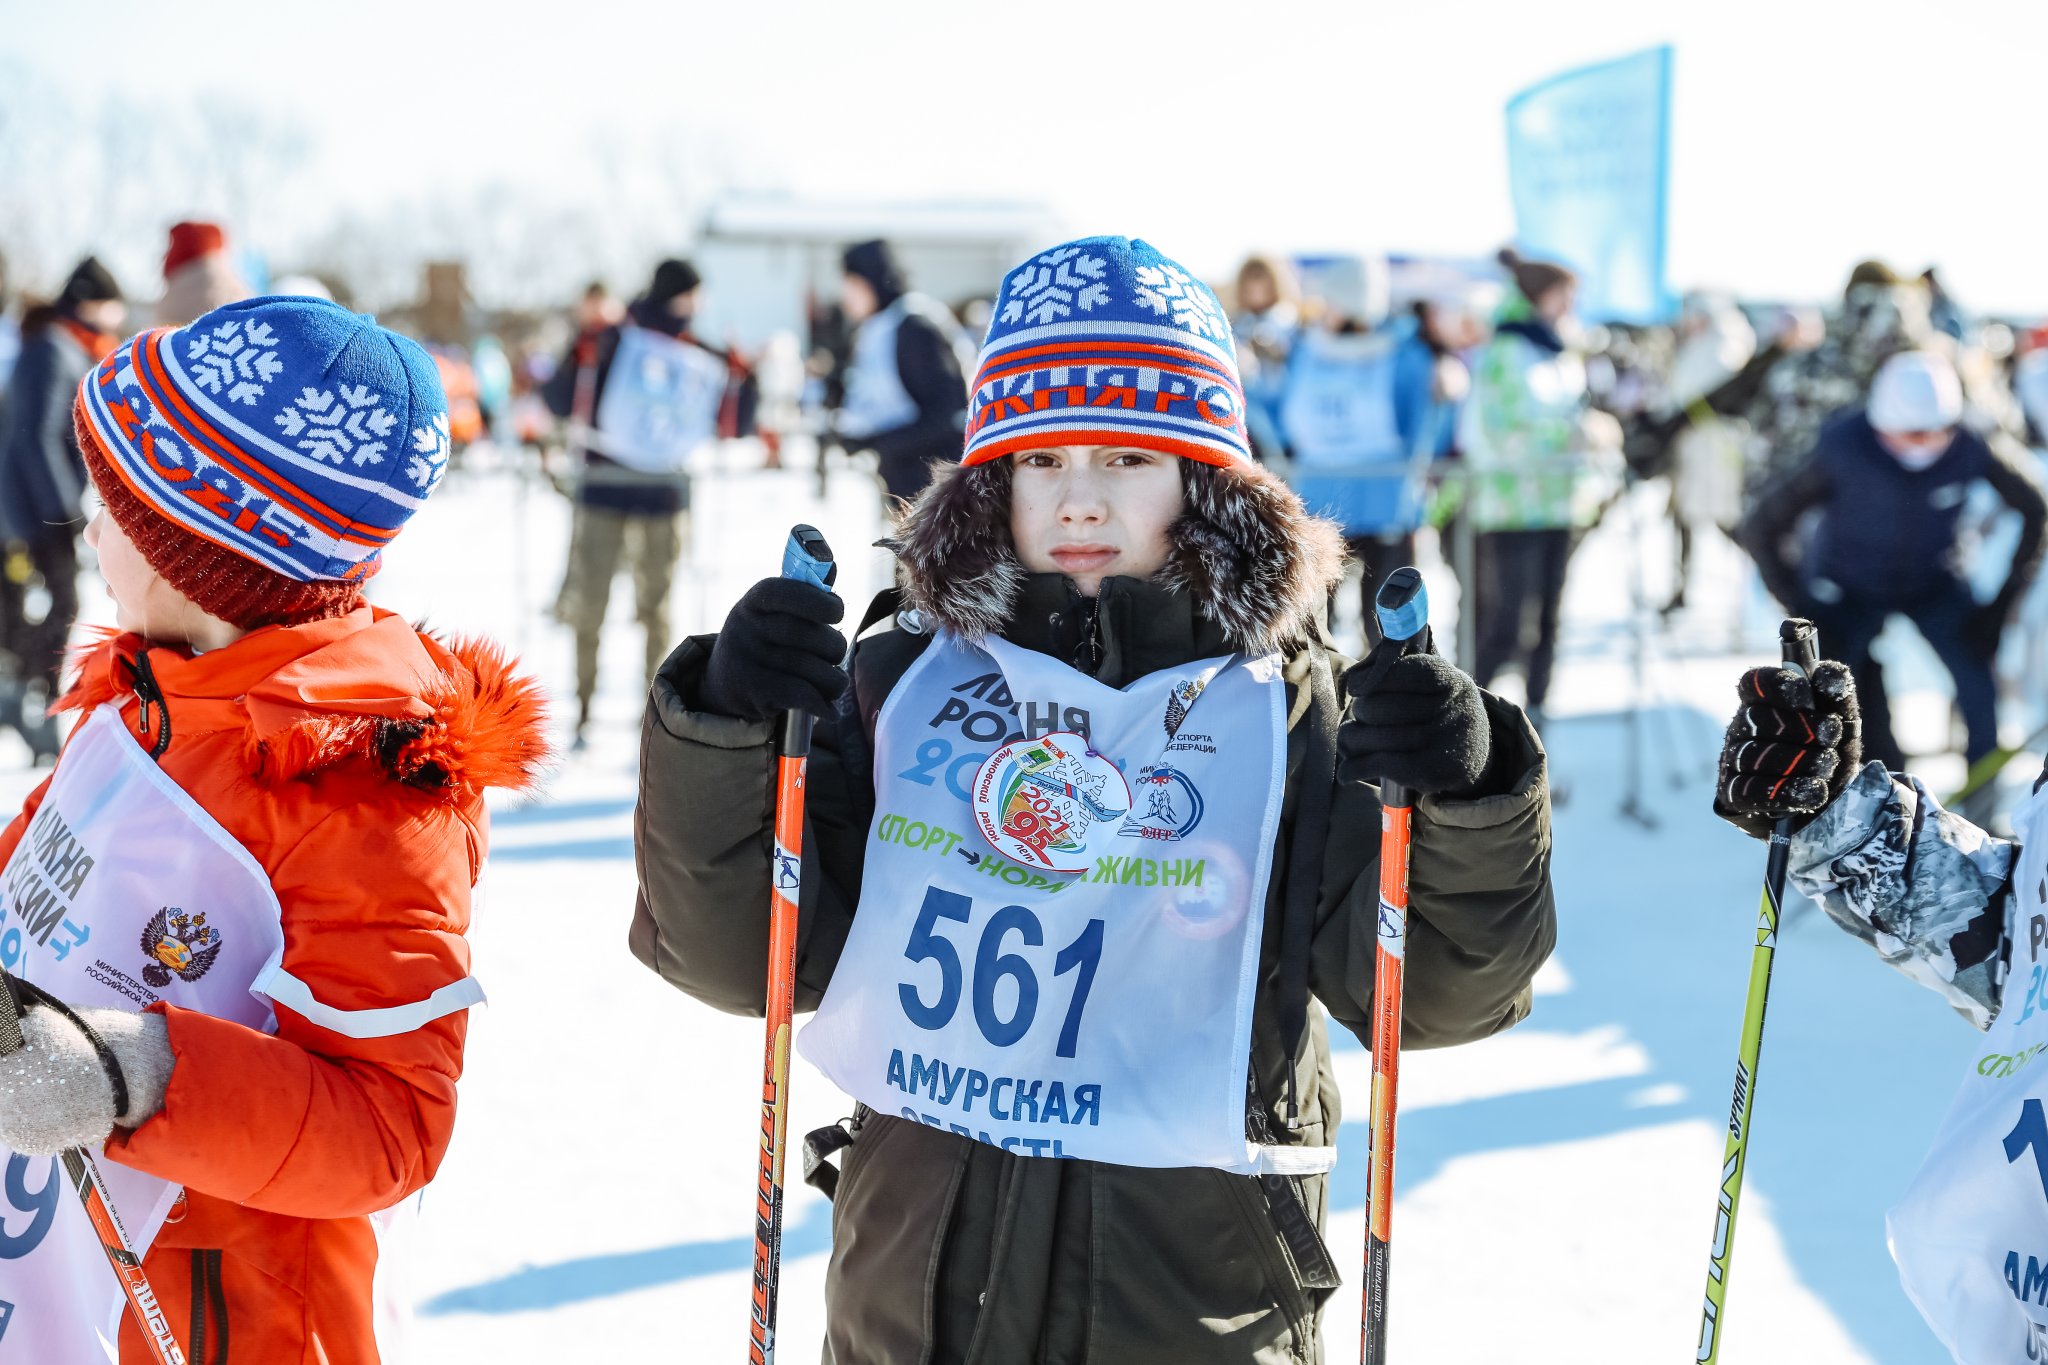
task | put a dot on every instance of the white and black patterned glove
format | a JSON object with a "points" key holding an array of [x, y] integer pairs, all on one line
{"points": [[79, 1074]]}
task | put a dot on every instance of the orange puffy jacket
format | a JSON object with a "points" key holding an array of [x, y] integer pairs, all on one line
{"points": [[349, 757]]}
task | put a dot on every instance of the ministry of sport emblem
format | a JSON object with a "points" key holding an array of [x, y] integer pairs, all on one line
{"points": [[1035, 800], [178, 944], [1180, 701], [1172, 805]]}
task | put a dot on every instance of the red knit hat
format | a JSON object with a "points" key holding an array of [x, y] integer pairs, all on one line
{"points": [[224, 585], [190, 241]]}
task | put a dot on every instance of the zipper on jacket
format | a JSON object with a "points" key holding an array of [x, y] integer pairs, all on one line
{"points": [[1086, 612], [209, 1311], [151, 695]]}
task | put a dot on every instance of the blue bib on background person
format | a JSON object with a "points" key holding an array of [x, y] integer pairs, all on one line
{"points": [[1338, 417]]}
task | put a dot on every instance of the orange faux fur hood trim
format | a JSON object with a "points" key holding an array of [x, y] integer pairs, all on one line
{"points": [[448, 716]]}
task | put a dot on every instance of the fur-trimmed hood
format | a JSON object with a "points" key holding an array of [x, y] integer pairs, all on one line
{"points": [[1249, 556], [448, 717]]}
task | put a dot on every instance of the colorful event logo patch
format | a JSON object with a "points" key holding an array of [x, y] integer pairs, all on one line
{"points": [[1035, 800], [178, 944]]}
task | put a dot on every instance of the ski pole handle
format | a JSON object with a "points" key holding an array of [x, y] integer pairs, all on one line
{"points": [[807, 557], [1402, 605], [1799, 644]]}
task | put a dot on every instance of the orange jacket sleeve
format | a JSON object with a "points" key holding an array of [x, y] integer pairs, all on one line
{"points": [[349, 1107]]}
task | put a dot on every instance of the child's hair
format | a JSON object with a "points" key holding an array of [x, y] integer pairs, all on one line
{"points": [[1534, 278]]}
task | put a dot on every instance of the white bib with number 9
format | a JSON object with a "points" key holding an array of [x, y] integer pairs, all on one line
{"points": [[122, 892], [1102, 1014]]}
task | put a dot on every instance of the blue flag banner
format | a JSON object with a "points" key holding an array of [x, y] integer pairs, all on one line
{"points": [[1589, 159]]}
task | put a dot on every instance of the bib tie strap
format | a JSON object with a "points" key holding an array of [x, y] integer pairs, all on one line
{"points": [[1304, 865]]}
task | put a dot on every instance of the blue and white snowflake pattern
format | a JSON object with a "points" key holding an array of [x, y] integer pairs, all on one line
{"points": [[345, 426], [236, 360], [1170, 292], [429, 459], [1054, 285]]}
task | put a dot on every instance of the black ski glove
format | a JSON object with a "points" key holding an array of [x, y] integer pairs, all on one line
{"points": [[1417, 720], [1792, 747], [778, 652]]}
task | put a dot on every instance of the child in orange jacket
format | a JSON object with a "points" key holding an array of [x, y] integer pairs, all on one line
{"points": [[251, 872]]}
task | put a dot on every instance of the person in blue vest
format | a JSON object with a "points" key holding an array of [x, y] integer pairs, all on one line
{"points": [[905, 397], [1364, 415], [1889, 480]]}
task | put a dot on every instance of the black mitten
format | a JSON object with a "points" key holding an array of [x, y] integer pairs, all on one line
{"points": [[1792, 747], [1417, 720], [778, 652]]}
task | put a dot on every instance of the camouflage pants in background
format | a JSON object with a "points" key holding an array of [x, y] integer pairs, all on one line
{"points": [[652, 547]]}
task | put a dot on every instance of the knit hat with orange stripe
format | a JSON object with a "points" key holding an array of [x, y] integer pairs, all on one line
{"points": [[1104, 341], [263, 457]]}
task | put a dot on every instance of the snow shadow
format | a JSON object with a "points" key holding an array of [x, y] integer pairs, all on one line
{"points": [[538, 1288]]}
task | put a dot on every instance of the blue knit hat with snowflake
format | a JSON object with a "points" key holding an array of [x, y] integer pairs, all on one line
{"points": [[1104, 341], [289, 431]]}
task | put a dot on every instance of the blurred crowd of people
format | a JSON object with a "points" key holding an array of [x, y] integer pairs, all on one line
{"points": [[1856, 453]]}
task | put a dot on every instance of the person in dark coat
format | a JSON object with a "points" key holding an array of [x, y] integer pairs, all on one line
{"points": [[627, 510], [1890, 479], [905, 398], [1098, 568], [42, 483]]}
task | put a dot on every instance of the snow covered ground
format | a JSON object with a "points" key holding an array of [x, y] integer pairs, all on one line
{"points": [[1556, 1183]]}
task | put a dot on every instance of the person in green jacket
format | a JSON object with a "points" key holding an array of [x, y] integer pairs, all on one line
{"points": [[1090, 857], [1526, 436]]}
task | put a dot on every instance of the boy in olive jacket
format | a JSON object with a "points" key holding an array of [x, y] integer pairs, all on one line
{"points": [[1107, 546]]}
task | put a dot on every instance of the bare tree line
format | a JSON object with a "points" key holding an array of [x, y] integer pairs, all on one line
{"points": [[108, 177]]}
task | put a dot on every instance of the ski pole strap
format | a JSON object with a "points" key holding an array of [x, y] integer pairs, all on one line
{"points": [[822, 1144], [1305, 863], [1307, 1252], [10, 1016]]}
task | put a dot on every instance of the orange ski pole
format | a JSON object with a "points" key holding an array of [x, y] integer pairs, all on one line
{"points": [[1403, 609], [807, 557]]}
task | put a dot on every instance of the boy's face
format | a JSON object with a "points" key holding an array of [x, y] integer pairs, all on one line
{"points": [[1093, 512]]}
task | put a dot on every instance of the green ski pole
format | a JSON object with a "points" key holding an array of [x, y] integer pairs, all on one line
{"points": [[1801, 651]]}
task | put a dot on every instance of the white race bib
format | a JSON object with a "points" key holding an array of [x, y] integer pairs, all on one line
{"points": [[122, 892], [1971, 1235], [1102, 1014], [661, 402]]}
